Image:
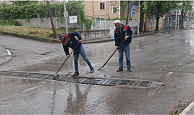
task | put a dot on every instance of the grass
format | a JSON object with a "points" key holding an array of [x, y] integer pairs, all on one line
{"points": [[31, 31]]}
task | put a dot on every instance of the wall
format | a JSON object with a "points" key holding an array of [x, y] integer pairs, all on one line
{"points": [[94, 34], [44, 23], [151, 23]]}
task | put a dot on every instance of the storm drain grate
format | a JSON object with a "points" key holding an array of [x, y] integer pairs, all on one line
{"points": [[112, 82], [105, 82], [14, 74], [136, 82], [145, 83], [97, 81], [92, 81], [85, 81], [5, 73], [124, 82]]}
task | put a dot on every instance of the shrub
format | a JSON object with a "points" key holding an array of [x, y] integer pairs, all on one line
{"points": [[9, 22]]}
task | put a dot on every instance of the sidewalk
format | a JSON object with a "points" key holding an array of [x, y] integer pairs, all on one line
{"points": [[189, 110]]}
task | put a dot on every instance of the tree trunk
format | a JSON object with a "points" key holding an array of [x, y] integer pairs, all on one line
{"points": [[182, 17], [157, 23], [50, 15], [145, 24], [129, 11], [141, 17]]}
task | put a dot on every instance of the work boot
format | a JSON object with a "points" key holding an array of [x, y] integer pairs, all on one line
{"points": [[129, 70], [75, 74], [91, 71], [119, 70]]}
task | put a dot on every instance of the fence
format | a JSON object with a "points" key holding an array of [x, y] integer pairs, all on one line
{"points": [[103, 24]]}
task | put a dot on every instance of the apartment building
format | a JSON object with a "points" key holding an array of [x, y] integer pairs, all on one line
{"points": [[5, 2], [102, 9]]}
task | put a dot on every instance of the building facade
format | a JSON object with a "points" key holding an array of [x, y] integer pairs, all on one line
{"points": [[102, 9]]}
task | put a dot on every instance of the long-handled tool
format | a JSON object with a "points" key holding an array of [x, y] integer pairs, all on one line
{"points": [[56, 76], [111, 55]]}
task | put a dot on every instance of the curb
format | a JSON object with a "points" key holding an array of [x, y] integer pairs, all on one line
{"points": [[191, 105], [29, 37], [57, 41]]}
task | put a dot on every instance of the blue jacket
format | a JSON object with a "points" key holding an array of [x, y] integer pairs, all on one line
{"points": [[71, 41], [120, 36]]}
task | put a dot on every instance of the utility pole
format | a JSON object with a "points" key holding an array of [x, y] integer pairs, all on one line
{"points": [[133, 13], [176, 19], [50, 15], [138, 21], [65, 15]]}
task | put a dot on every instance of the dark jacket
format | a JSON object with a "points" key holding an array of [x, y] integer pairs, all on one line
{"points": [[119, 36], [71, 41]]}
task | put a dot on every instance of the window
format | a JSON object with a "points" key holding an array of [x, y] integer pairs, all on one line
{"points": [[114, 10], [102, 5]]}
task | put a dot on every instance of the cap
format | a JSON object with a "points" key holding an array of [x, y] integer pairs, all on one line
{"points": [[117, 22]]}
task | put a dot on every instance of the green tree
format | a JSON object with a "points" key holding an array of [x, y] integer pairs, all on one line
{"points": [[76, 8], [158, 8], [29, 9], [185, 7], [141, 29]]}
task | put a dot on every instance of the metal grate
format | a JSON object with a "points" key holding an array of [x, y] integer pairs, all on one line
{"points": [[92, 81]]}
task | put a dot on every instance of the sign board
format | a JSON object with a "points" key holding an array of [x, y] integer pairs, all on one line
{"points": [[133, 7], [72, 19], [133, 10]]}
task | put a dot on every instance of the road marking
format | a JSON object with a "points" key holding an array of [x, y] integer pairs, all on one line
{"points": [[30, 89], [187, 109]]}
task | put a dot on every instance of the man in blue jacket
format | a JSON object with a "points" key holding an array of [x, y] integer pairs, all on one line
{"points": [[69, 40], [123, 32]]}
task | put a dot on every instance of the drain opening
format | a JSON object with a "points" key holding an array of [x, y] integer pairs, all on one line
{"points": [[92, 81], [145, 83]]}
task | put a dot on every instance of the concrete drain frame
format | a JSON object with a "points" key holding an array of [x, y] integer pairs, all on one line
{"points": [[86, 80]]}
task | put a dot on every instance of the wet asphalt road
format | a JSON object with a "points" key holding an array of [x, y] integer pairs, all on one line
{"points": [[163, 57]]}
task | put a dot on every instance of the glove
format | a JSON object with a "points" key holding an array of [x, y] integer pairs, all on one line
{"points": [[117, 47], [68, 56], [79, 41], [126, 37]]}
